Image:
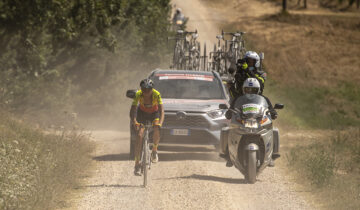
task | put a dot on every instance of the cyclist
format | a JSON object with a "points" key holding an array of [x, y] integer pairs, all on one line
{"points": [[147, 106]]}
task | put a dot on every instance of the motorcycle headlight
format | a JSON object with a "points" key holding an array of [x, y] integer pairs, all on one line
{"points": [[217, 113], [179, 22], [250, 124]]}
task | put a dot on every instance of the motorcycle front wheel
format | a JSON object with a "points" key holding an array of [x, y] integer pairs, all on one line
{"points": [[251, 167]]}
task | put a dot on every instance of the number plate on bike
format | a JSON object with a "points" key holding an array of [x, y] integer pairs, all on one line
{"points": [[180, 132]]}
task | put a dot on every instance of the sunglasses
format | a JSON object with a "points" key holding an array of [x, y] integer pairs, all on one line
{"points": [[146, 89]]}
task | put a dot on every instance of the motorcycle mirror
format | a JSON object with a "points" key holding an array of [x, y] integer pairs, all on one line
{"points": [[223, 106], [279, 106], [262, 56], [130, 93]]}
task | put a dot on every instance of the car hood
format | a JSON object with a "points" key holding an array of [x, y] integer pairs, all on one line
{"points": [[192, 105]]}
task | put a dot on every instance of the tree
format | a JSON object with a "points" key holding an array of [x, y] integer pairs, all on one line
{"points": [[284, 5], [305, 3]]}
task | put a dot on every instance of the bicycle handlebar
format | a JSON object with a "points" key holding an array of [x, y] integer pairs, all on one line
{"points": [[147, 125]]}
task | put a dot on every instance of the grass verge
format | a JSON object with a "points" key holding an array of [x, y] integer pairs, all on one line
{"points": [[37, 168], [331, 168], [316, 107]]}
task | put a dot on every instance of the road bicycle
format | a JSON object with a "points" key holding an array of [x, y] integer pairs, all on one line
{"points": [[186, 53], [217, 56], [235, 47], [193, 47]]}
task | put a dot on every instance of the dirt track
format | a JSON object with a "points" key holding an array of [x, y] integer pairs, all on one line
{"points": [[187, 177]]}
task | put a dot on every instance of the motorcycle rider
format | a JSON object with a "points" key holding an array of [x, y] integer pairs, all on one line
{"points": [[249, 67], [178, 16], [147, 106], [250, 86]]}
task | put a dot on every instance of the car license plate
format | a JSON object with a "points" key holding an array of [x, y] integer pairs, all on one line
{"points": [[180, 132]]}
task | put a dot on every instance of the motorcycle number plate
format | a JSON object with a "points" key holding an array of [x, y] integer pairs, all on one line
{"points": [[251, 124], [180, 132]]}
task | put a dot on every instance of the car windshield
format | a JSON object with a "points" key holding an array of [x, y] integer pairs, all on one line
{"points": [[188, 86]]}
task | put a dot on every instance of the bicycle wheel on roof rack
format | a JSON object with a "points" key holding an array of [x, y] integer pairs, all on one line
{"points": [[198, 56], [204, 59]]}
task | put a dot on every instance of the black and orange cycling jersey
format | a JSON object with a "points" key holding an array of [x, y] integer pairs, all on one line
{"points": [[148, 108]]}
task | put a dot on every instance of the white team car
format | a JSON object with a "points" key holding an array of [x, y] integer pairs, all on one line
{"points": [[191, 102]]}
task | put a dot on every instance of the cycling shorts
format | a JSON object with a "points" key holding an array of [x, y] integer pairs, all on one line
{"points": [[142, 117]]}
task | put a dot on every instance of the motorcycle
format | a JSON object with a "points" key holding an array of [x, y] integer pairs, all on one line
{"points": [[250, 141], [179, 22]]}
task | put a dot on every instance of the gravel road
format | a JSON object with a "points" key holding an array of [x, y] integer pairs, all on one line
{"points": [[187, 176]]}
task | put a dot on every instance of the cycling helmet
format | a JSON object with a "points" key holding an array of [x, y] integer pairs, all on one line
{"points": [[146, 83], [251, 86], [253, 55]]}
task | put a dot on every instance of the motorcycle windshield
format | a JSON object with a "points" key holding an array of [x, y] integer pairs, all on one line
{"points": [[251, 105]]}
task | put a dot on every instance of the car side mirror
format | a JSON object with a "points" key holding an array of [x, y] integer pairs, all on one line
{"points": [[131, 93], [223, 106], [279, 106]]}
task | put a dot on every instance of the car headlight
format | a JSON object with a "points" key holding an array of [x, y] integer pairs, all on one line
{"points": [[217, 113]]}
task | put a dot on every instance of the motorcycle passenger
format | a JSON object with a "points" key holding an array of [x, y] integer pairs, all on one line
{"points": [[147, 106], [250, 86], [249, 67]]}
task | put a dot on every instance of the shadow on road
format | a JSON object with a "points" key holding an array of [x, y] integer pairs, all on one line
{"points": [[112, 157], [174, 156], [178, 148], [212, 178], [178, 156], [112, 185]]}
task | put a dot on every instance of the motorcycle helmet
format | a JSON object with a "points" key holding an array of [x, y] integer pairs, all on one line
{"points": [[178, 10], [146, 83], [254, 56], [251, 86]]}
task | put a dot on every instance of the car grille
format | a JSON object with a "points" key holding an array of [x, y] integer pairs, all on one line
{"points": [[189, 121]]}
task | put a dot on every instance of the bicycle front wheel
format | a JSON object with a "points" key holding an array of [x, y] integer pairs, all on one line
{"points": [[145, 160]]}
